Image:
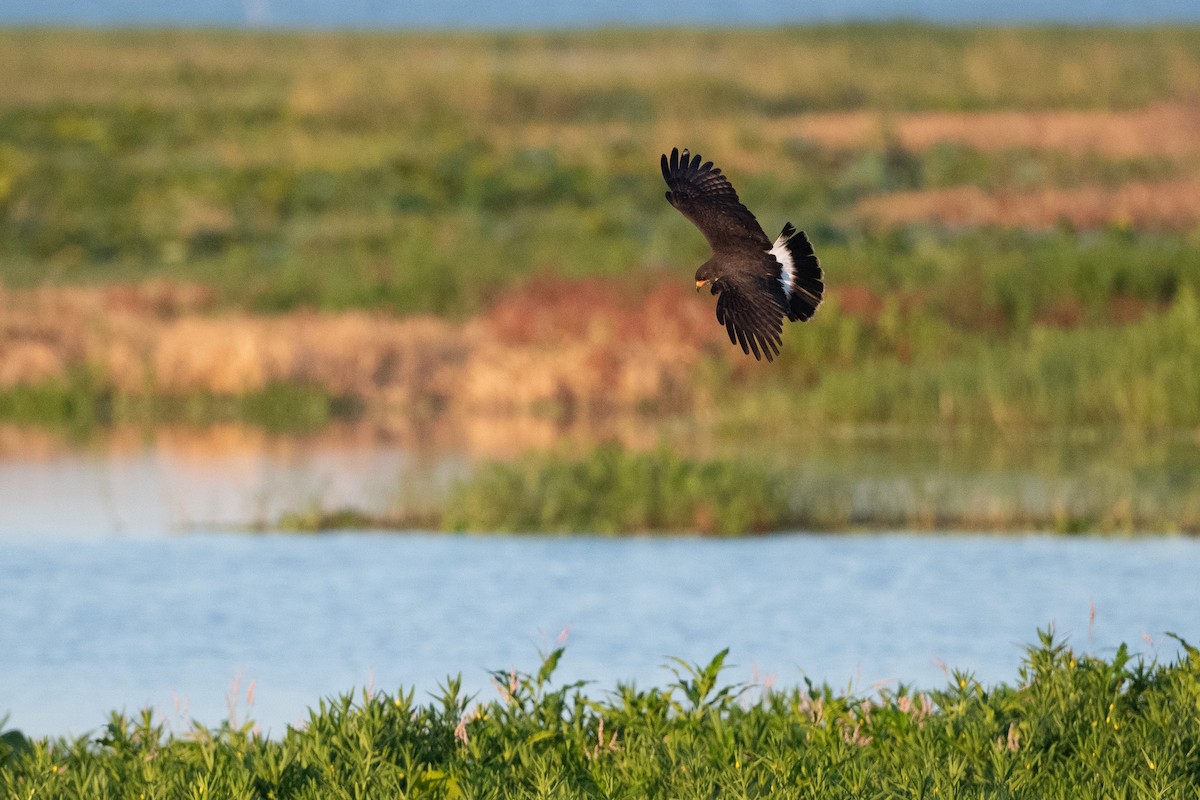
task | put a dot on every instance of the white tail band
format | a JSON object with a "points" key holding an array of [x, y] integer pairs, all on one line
{"points": [[787, 267]]}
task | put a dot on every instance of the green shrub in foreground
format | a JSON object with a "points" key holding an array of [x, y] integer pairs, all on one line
{"points": [[612, 490], [1073, 726]]}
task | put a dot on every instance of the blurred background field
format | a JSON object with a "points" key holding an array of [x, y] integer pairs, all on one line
{"points": [[463, 234]]}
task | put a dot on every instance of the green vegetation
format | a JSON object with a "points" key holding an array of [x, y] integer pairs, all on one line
{"points": [[915, 369], [611, 490], [420, 172], [81, 403], [426, 172], [315, 519], [1072, 724]]}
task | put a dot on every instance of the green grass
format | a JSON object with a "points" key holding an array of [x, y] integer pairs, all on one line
{"points": [[342, 170], [85, 403], [1071, 725], [391, 235], [918, 370], [315, 519], [612, 490]]}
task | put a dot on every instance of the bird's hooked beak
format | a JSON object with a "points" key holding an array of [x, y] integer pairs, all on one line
{"points": [[701, 283]]}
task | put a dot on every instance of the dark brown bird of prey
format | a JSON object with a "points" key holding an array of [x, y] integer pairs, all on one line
{"points": [[758, 282]]}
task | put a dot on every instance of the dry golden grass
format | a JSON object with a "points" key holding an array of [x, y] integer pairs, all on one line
{"points": [[573, 347], [587, 345]]}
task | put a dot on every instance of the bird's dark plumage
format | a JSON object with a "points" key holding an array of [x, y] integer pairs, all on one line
{"points": [[758, 282]]}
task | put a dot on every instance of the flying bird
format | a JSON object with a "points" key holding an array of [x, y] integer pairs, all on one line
{"points": [[758, 282]]}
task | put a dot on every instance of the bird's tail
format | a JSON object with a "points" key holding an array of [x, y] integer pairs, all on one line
{"points": [[800, 273]]}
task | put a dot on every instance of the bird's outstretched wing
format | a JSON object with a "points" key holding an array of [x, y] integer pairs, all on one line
{"points": [[752, 309], [706, 197]]}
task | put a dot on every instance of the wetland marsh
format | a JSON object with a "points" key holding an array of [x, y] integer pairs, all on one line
{"points": [[255, 280]]}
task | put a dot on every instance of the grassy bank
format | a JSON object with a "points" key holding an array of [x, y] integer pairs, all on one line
{"points": [[610, 490], [1068, 724]]}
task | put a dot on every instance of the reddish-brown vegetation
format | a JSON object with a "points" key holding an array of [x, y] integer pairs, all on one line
{"points": [[554, 344]]}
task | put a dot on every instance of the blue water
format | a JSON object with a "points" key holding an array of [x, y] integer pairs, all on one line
{"points": [[568, 13], [89, 626]]}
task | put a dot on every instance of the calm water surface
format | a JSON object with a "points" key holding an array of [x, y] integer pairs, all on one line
{"points": [[92, 625]]}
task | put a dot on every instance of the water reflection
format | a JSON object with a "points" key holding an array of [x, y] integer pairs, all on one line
{"points": [[156, 481], [174, 479]]}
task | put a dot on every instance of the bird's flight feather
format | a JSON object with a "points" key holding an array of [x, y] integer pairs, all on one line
{"points": [[752, 310], [705, 196]]}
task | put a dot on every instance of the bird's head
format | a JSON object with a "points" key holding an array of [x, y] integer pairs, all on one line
{"points": [[707, 276]]}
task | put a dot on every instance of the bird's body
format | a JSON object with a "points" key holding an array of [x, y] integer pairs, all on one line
{"points": [[758, 282]]}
